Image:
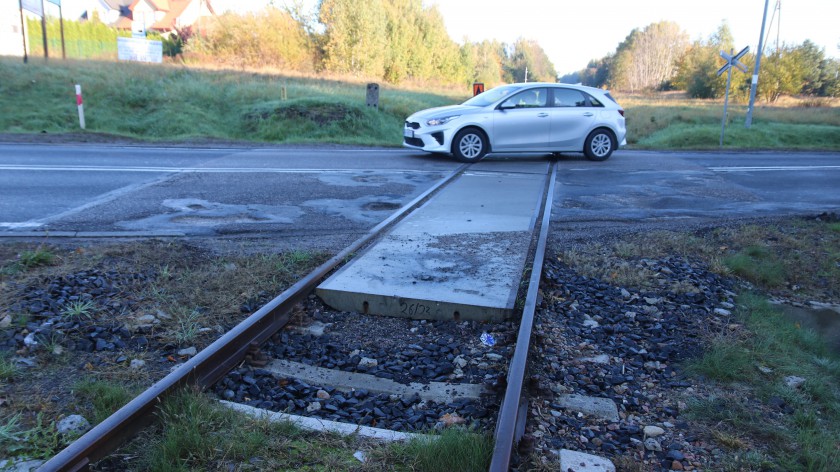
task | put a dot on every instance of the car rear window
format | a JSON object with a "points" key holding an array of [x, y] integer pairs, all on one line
{"points": [[607, 94]]}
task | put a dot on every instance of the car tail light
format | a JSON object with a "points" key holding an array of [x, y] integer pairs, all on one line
{"points": [[621, 112]]}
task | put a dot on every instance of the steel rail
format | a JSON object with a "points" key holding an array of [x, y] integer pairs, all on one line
{"points": [[513, 412], [214, 361]]}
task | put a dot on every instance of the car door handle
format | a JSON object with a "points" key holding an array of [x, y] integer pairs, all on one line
{"points": [[542, 115], [589, 113]]}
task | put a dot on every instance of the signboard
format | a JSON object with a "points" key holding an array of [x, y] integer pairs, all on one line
{"points": [[733, 61], [478, 87], [139, 50], [33, 6]]}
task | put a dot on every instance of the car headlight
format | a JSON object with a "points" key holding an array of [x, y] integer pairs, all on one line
{"points": [[442, 120]]}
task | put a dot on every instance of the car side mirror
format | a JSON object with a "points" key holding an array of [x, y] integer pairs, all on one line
{"points": [[507, 106]]}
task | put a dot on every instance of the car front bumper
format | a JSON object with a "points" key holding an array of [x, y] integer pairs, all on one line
{"points": [[427, 139]]}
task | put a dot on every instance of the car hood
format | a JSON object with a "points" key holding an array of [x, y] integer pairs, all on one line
{"points": [[440, 112]]}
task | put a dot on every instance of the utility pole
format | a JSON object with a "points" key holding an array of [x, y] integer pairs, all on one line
{"points": [[44, 30], [754, 85], [23, 32]]}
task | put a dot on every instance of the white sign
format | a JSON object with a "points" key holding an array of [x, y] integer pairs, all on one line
{"points": [[139, 50]]}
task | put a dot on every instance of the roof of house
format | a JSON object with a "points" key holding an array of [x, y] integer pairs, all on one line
{"points": [[172, 8], [116, 4]]}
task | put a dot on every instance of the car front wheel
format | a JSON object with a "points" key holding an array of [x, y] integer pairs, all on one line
{"points": [[599, 145], [469, 145]]}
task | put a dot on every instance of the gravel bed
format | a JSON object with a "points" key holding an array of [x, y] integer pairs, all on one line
{"points": [[260, 388], [403, 350], [601, 340]]}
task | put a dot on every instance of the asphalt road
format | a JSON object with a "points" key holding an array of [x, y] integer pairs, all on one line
{"points": [[311, 191]]}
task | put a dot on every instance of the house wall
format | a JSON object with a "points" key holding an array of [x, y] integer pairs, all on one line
{"points": [[11, 39], [145, 13]]}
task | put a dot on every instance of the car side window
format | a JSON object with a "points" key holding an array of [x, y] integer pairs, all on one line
{"points": [[594, 102], [569, 98], [532, 98]]}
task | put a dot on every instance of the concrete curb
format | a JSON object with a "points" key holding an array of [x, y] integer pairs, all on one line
{"points": [[315, 424]]}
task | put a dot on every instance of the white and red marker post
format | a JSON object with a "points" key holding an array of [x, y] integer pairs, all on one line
{"points": [[80, 106]]}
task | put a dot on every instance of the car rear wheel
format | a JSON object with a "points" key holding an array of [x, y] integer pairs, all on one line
{"points": [[469, 145], [599, 145]]}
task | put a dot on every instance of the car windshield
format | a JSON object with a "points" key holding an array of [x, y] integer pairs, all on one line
{"points": [[492, 95]]}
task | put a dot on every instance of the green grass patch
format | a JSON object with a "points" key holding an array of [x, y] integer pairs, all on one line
{"points": [[454, 449], [758, 264], [172, 103], [752, 370], [759, 136], [104, 397]]}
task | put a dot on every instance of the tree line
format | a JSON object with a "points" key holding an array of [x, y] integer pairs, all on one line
{"points": [[403, 40], [391, 40], [661, 57]]}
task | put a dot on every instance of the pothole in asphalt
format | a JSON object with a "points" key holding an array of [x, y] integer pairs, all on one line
{"points": [[380, 206], [194, 213], [218, 219], [365, 209], [379, 179]]}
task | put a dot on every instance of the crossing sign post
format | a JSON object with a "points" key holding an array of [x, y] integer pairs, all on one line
{"points": [[731, 61]]}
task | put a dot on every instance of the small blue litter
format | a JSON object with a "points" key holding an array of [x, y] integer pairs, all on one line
{"points": [[488, 339]]}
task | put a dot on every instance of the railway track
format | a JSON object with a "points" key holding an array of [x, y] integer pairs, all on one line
{"points": [[379, 376]]}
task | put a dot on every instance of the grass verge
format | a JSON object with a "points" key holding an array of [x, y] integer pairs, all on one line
{"points": [[176, 103], [757, 408]]}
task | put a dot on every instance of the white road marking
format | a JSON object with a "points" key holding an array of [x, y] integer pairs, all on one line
{"points": [[21, 225], [771, 168], [207, 170]]}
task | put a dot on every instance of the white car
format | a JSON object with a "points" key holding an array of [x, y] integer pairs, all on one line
{"points": [[525, 117]]}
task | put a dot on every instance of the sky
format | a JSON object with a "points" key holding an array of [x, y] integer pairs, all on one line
{"points": [[574, 32]]}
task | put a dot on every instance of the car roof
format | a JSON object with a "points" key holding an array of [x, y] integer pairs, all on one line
{"points": [[559, 84]]}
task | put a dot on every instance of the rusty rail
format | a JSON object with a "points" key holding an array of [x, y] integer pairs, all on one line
{"points": [[213, 362], [513, 412]]}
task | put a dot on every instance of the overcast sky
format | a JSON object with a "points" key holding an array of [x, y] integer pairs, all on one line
{"points": [[573, 32]]}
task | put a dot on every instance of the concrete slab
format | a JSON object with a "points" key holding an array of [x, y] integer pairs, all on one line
{"points": [[459, 256], [600, 407], [434, 391], [574, 461]]}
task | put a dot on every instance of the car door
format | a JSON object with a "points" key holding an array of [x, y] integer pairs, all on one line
{"points": [[521, 123], [572, 117]]}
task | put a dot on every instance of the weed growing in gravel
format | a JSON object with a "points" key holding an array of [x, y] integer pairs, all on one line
{"points": [[38, 257], [188, 325], [8, 370], [797, 426], [41, 441], [78, 309]]}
